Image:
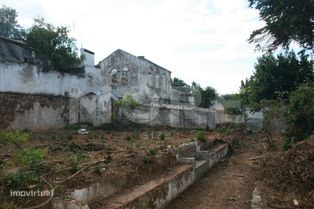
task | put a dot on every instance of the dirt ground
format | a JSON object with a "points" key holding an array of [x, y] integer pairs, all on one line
{"points": [[284, 178], [228, 185], [134, 154]]}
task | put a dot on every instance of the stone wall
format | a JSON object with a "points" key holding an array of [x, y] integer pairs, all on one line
{"points": [[21, 111]]}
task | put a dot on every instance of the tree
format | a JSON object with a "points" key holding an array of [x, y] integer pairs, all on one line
{"points": [[276, 77], [286, 21], [300, 113], [208, 95], [54, 46], [8, 23], [179, 84]]}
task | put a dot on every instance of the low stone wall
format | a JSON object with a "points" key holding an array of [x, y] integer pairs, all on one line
{"points": [[160, 195], [155, 194]]}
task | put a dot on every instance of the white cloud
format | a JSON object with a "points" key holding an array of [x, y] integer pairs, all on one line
{"points": [[198, 40]]}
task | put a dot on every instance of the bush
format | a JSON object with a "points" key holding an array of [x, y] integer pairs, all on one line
{"points": [[128, 102], [74, 161], [13, 137], [299, 115], [32, 158], [201, 136], [97, 169], [19, 180], [162, 136], [152, 152]]}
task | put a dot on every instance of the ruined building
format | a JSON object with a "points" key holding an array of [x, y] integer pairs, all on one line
{"points": [[30, 98]]}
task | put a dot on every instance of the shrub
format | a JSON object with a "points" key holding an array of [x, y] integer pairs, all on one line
{"points": [[201, 136], [18, 179], [128, 102], [152, 152], [162, 136], [97, 169], [299, 115], [74, 161], [32, 158], [14, 137]]}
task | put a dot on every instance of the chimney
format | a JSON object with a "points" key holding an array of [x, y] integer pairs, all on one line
{"points": [[88, 58]]}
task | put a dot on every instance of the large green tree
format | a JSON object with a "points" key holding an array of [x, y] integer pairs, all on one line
{"points": [[207, 95], [54, 45], [276, 76], [300, 113], [9, 27], [286, 21]]}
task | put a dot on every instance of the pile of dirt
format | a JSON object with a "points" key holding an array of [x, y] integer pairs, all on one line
{"points": [[291, 171]]}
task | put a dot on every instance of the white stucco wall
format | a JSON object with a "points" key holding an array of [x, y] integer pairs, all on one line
{"points": [[26, 78]]}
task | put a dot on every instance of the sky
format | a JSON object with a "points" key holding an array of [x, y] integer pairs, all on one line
{"points": [[198, 40]]}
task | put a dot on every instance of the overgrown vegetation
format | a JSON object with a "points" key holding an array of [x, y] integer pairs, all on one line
{"points": [[128, 102], [288, 77], [201, 136], [299, 114], [21, 179], [30, 158], [162, 136], [13, 137]]}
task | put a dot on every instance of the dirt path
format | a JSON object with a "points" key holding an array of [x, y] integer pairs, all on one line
{"points": [[228, 185]]}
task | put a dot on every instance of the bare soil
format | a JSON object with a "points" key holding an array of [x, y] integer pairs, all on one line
{"points": [[139, 156]]}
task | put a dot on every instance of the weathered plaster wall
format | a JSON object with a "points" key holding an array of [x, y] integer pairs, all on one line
{"points": [[137, 76], [20, 111], [88, 98], [28, 79], [222, 117], [180, 116]]}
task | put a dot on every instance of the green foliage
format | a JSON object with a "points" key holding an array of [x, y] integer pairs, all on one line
{"points": [[152, 152], [225, 129], [286, 21], [97, 169], [9, 27], [54, 46], [13, 137], [201, 136], [180, 85], [128, 102], [299, 114], [32, 158], [275, 77], [19, 180], [232, 103], [162, 136], [74, 161], [206, 96]]}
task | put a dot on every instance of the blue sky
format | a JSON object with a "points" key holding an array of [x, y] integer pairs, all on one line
{"points": [[198, 40]]}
